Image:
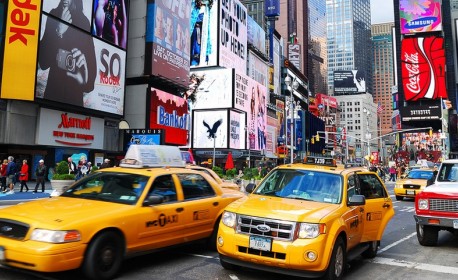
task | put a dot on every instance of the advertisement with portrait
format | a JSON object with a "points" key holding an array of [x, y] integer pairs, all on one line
{"points": [[215, 90], [75, 12], [237, 130], [210, 129], [421, 144], [414, 112], [110, 21], [420, 16], [256, 36], [258, 69], [349, 82], [170, 113], [204, 33], [423, 68], [167, 40], [142, 137]]}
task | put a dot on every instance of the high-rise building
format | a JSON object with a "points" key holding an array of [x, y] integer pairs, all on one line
{"points": [[349, 39], [383, 73]]}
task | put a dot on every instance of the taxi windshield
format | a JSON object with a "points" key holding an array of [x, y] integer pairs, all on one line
{"points": [[302, 184], [109, 186], [420, 174]]}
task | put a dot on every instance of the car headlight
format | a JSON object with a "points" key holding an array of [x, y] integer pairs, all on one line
{"points": [[229, 219], [423, 204], [55, 236], [307, 230]]}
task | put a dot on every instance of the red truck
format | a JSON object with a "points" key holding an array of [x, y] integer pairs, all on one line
{"points": [[436, 207]]}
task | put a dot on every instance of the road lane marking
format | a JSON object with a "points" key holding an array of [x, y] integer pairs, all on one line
{"points": [[419, 266], [397, 242]]}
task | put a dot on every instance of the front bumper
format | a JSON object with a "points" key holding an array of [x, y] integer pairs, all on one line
{"points": [[406, 192], [436, 221], [40, 256]]}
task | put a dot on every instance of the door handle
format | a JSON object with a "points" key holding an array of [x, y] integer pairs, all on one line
{"points": [[180, 209], [386, 205], [216, 203], [361, 209]]}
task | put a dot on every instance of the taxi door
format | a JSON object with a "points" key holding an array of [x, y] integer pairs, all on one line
{"points": [[378, 208], [162, 224], [354, 215], [202, 205]]}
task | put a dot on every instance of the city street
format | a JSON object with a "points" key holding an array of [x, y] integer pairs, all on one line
{"points": [[400, 257]]}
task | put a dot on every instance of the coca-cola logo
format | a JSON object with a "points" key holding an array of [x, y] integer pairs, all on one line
{"points": [[414, 70]]}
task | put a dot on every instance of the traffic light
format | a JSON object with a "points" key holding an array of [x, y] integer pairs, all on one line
{"points": [[430, 133], [317, 137]]}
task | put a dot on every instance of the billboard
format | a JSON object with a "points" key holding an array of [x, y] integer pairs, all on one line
{"points": [[423, 68], [216, 89], [110, 21], [420, 16], [142, 137], [349, 82], [294, 55], [237, 130], [415, 112], [167, 40], [218, 34], [210, 129], [272, 8], [256, 36], [170, 113], [20, 49], [258, 70]]}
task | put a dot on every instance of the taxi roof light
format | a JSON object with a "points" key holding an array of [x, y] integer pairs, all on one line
{"points": [[141, 156], [320, 161]]}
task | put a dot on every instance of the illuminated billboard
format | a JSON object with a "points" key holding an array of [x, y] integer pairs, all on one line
{"points": [[349, 82], [110, 21], [420, 16], [256, 36], [423, 68], [210, 129], [237, 132]]}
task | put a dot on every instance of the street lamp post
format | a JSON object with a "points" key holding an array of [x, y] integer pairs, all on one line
{"points": [[214, 149], [249, 148], [368, 136], [295, 86]]}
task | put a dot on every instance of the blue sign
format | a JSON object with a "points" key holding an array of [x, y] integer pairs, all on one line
{"points": [[272, 8]]}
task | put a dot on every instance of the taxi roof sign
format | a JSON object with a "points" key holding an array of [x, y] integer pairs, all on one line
{"points": [[320, 161], [140, 156]]}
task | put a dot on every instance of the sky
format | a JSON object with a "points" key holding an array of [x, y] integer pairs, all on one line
{"points": [[382, 11]]}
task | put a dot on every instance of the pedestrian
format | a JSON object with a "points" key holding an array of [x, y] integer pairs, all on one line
{"points": [[81, 169], [11, 170], [40, 173], [3, 176], [71, 166], [24, 175], [89, 167], [105, 164], [392, 173]]}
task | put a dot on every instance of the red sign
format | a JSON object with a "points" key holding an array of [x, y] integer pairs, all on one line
{"points": [[423, 68], [169, 112]]}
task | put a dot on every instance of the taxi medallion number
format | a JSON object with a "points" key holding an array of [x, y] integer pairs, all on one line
{"points": [[455, 224], [260, 243]]}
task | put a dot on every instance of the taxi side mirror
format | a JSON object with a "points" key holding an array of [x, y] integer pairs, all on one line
{"points": [[357, 200], [153, 200], [250, 187]]}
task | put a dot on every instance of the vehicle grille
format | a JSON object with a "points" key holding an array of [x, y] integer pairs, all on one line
{"points": [[13, 229], [267, 254], [411, 187], [279, 230], [444, 205]]}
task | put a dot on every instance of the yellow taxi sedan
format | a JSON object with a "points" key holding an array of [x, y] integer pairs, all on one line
{"points": [[415, 181], [148, 203], [215, 176]]}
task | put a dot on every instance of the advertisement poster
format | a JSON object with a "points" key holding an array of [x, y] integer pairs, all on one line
{"points": [[215, 90], [423, 68], [420, 16], [237, 130], [256, 36], [110, 21], [210, 129], [204, 33], [349, 82]]}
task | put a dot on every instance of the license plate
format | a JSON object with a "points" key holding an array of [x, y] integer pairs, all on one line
{"points": [[411, 192], [260, 243], [2, 253], [455, 224]]}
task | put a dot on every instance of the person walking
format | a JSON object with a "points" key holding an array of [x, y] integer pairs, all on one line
{"points": [[11, 170], [3, 167], [72, 169], [24, 175], [392, 173], [40, 173], [105, 164]]}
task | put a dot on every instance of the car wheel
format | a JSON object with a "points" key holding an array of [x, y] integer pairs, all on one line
{"points": [[104, 256], [371, 252], [338, 261], [227, 265], [427, 235], [212, 240], [398, 197]]}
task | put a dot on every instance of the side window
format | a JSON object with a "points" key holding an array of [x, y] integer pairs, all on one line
{"points": [[165, 187], [195, 186], [351, 187], [371, 187]]}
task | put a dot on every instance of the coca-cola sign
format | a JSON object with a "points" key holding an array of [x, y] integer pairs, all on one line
{"points": [[423, 68]]}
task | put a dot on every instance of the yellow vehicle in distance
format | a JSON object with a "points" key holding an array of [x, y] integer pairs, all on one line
{"points": [[306, 219], [150, 202], [413, 183], [221, 182]]}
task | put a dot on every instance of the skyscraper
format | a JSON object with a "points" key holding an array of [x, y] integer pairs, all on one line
{"points": [[349, 39]]}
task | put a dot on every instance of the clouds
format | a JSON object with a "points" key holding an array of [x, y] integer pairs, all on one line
{"points": [[382, 11]]}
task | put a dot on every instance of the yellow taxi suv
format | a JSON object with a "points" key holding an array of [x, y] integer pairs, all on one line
{"points": [[415, 182], [306, 219], [150, 202]]}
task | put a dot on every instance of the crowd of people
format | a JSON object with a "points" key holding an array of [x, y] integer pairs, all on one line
{"points": [[13, 172]]}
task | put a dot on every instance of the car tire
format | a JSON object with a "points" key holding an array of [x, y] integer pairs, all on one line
{"points": [[371, 252], [338, 261], [427, 235], [212, 239], [104, 256], [398, 197], [228, 266]]}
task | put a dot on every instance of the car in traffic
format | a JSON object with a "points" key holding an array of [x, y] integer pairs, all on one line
{"points": [[215, 176], [306, 219], [436, 207], [150, 202], [413, 183]]}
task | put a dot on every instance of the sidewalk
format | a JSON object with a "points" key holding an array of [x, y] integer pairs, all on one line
{"points": [[17, 197]]}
